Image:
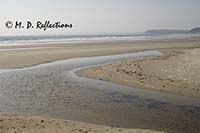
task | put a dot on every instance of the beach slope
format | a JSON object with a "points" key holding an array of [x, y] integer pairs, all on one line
{"points": [[177, 71], [19, 124]]}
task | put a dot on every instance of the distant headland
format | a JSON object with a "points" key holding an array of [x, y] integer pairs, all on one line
{"points": [[167, 31]]}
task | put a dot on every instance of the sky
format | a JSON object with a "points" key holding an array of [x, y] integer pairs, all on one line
{"points": [[100, 16]]}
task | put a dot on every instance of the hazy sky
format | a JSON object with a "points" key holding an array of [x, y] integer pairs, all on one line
{"points": [[101, 16]]}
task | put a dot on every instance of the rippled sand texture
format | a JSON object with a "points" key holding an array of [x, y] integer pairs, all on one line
{"points": [[177, 72], [17, 124], [52, 90]]}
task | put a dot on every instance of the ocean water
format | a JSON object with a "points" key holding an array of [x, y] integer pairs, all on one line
{"points": [[21, 40]]}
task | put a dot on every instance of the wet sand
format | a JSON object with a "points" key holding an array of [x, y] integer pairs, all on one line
{"points": [[177, 71], [28, 55], [54, 91]]}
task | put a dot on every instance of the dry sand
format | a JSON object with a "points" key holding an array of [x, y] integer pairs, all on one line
{"points": [[19, 124], [21, 57], [177, 71], [127, 72]]}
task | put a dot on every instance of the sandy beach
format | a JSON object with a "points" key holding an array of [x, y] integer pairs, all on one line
{"points": [[176, 71], [92, 66], [19, 124], [150, 73], [18, 56]]}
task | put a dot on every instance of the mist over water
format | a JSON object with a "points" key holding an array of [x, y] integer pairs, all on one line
{"points": [[21, 40]]}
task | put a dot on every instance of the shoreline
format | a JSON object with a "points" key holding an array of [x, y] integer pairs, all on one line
{"points": [[53, 90], [26, 56], [175, 72]]}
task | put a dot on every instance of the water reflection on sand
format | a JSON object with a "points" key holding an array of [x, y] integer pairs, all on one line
{"points": [[54, 90]]}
